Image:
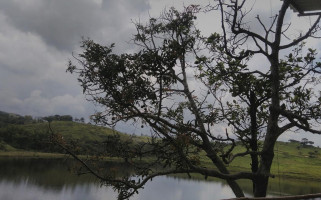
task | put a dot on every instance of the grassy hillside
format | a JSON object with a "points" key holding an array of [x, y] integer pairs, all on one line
{"points": [[291, 160], [297, 162], [35, 136]]}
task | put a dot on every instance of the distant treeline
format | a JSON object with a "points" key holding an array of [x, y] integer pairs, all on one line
{"points": [[303, 143], [9, 118]]}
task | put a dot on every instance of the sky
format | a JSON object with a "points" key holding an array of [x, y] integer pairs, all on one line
{"points": [[38, 37]]}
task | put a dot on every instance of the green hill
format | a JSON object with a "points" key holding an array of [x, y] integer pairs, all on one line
{"points": [[36, 136], [291, 160], [24, 133]]}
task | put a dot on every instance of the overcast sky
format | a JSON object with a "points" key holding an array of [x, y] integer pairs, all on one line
{"points": [[38, 37]]}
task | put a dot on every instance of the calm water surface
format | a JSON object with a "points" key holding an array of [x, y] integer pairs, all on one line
{"points": [[40, 179]]}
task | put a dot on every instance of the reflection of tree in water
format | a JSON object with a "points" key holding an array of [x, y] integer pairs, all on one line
{"points": [[286, 187], [50, 173], [59, 173]]}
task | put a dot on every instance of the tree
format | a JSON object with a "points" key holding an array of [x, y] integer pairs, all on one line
{"points": [[28, 119], [278, 100], [181, 85], [65, 118], [58, 118], [305, 142]]}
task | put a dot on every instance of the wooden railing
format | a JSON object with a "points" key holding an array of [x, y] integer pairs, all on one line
{"points": [[307, 196]]}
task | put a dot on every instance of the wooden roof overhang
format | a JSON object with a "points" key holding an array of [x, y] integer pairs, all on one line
{"points": [[306, 7]]}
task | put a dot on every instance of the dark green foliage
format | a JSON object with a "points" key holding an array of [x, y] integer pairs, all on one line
{"points": [[142, 87], [313, 154], [58, 118], [9, 118], [19, 137], [36, 136]]}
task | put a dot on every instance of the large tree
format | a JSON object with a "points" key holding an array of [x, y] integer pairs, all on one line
{"points": [[182, 85]]}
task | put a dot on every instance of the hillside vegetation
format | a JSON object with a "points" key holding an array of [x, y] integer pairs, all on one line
{"points": [[23, 133]]}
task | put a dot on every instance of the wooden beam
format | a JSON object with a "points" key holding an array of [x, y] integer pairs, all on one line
{"points": [[296, 7], [305, 7], [307, 196], [309, 14]]}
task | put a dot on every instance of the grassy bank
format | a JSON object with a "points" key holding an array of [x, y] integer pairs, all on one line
{"points": [[30, 154]]}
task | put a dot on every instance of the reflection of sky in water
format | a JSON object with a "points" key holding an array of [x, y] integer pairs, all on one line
{"points": [[39, 179], [26, 191], [159, 189], [175, 189]]}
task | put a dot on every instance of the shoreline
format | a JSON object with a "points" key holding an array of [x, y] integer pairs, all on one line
{"points": [[43, 155], [30, 154]]}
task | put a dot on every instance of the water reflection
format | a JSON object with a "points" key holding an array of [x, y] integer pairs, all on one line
{"points": [[170, 188], [27, 191], [33, 179], [159, 189]]}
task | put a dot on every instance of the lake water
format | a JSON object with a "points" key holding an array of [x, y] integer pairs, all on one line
{"points": [[41, 179]]}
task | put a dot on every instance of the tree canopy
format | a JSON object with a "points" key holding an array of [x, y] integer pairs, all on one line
{"points": [[201, 96]]}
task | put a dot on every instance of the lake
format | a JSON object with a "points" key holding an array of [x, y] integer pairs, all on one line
{"points": [[50, 179]]}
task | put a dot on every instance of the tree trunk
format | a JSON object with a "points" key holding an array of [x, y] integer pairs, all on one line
{"points": [[261, 182], [261, 186], [232, 183], [236, 188], [254, 133], [272, 131], [222, 168]]}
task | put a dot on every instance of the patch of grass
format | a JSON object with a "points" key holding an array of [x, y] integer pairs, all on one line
{"points": [[72, 130], [289, 161], [6, 147]]}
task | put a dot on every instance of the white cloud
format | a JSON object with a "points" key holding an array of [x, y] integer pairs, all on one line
{"points": [[38, 105]]}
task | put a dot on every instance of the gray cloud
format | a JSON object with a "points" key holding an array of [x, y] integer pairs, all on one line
{"points": [[62, 23], [37, 37]]}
